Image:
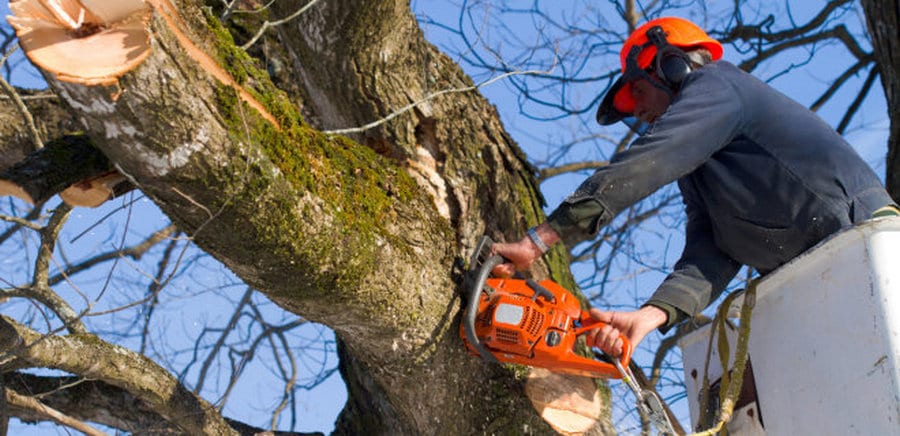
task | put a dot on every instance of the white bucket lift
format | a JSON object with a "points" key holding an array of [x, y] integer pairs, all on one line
{"points": [[824, 341]]}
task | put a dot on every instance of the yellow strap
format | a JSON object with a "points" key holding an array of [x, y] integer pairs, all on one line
{"points": [[731, 386], [889, 210]]}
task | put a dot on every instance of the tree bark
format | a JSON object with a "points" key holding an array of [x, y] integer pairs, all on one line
{"points": [[883, 19], [367, 239], [52, 117]]}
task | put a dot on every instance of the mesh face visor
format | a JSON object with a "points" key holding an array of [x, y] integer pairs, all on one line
{"points": [[608, 113]]}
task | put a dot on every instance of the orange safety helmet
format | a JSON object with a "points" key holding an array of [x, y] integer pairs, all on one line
{"points": [[639, 54]]}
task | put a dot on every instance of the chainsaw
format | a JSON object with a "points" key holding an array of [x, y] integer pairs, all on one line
{"points": [[538, 324], [529, 323]]}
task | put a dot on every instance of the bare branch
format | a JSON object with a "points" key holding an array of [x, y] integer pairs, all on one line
{"points": [[88, 356], [134, 252], [269, 24], [201, 378], [432, 96], [25, 406], [858, 101], [839, 82], [22, 222], [40, 288], [547, 173], [20, 105]]}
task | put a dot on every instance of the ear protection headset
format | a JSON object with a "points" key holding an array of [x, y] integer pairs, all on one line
{"points": [[671, 63]]}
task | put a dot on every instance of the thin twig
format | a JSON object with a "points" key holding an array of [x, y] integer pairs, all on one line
{"points": [[432, 96], [20, 105], [269, 24], [547, 173], [20, 221]]}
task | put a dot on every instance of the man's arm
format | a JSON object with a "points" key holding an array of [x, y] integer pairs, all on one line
{"points": [[699, 277], [702, 272]]}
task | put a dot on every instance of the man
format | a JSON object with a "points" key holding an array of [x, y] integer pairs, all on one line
{"points": [[762, 178]]}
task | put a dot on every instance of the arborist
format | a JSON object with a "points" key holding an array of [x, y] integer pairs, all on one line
{"points": [[762, 177]]}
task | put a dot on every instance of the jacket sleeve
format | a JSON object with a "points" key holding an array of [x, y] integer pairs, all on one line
{"points": [[703, 118], [702, 272]]}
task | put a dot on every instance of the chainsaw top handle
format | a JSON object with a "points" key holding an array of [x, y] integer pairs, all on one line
{"points": [[482, 256]]}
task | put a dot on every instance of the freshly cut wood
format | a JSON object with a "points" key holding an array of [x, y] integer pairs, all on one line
{"points": [[570, 404], [10, 188], [86, 42], [94, 191]]}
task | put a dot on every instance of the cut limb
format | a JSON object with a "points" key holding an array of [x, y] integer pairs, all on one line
{"points": [[94, 191], [570, 404], [90, 42], [69, 162]]}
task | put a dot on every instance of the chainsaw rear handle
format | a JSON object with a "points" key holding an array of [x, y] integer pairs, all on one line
{"points": [[588, 323]]}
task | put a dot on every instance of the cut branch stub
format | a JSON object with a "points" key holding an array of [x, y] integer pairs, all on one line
{"points": [[91, 42], [94, 191], [69, 165]]}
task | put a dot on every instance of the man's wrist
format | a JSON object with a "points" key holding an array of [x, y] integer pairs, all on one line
{"points": [[537, 241], [655, 315]]}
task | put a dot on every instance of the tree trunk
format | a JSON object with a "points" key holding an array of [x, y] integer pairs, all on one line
{"points": [[367, 239], [883, 19]]}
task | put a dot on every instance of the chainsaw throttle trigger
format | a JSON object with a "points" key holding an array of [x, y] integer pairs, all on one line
{"points": [[588, 323]]}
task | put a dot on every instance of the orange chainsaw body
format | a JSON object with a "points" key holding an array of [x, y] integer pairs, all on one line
{"points": [[517, 323]]}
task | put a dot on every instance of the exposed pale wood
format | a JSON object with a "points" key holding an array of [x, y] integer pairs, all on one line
{"points": [[572, 405]]}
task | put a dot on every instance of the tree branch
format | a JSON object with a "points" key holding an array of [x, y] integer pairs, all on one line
{"points": [[29, 408], [134, 252], [269, 24], [431, 96], [88, 356], [96, 401], [40, 288], [20, 105], [857, 102], [547, 173]]}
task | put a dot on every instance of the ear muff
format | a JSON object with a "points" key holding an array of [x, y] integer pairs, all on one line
{"points": [[672, 64], [673, 67]]}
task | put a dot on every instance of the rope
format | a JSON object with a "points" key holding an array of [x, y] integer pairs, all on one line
{"points": [[730, 387]]}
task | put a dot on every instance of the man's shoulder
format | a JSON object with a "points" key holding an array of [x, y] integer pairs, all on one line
{"points": [[721, 68]]}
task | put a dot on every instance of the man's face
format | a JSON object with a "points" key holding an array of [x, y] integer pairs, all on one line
{"points": [[649, 100]]}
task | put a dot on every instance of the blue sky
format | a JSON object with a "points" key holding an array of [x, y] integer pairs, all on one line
{"points": [[319, 407]]}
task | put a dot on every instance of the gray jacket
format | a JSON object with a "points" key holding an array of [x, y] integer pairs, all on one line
{"points": [[762, 178]]}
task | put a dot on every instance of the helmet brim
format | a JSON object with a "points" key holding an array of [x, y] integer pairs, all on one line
{"points": [[617, 103]]}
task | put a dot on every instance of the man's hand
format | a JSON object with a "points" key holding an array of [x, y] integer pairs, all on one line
{"points": [[634, 325], [523, 253], [520, 255]]}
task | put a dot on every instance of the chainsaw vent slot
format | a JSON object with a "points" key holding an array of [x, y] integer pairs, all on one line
{"points": [[533, 322], [507, 335]]}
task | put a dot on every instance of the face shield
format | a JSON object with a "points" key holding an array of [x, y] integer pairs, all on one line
{"points": [[619, 95], [618, 104]]}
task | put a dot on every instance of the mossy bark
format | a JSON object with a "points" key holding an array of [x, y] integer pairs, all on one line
{"points": [[366, 234]]}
